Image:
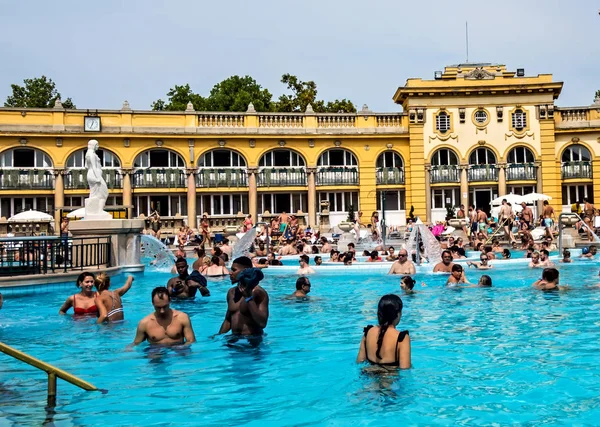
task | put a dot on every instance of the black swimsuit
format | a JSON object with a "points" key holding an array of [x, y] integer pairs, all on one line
{"points": [[401, 336]]}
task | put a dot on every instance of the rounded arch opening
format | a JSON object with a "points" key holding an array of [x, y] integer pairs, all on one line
{"points": [[337, 157], [108, 159], [283, 158], [520, 155], [576, 153], [444, 157], [390, 159], [482, 156], [25, 158], [222, 158], [158, 158]]}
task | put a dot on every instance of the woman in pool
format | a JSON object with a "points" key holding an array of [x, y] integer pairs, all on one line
{"points": [[84, 302], [506, 254], [215, 269], [110, 306], [485, 281], [407, 284], [383, 345]]}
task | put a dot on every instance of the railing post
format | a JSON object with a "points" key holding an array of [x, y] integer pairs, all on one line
{"points": [[51, 389]]}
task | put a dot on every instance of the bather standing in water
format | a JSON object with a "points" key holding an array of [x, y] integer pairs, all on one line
{"points": [[165, 326], [302, 287], [247, 303], [110, 306]]}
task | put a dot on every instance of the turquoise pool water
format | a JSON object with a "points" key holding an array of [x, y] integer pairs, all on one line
{"points": [[500, 356]]}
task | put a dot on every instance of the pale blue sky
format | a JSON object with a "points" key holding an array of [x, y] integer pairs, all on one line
{"points": [[101, 53]]}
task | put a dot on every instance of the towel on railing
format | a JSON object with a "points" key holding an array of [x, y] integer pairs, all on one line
{"points": [[396, 175], [228, 177], [268, 177], [206, 176], [153, 175]]}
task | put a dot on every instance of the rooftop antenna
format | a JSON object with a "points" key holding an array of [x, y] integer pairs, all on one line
{"points": [[467, 38]]}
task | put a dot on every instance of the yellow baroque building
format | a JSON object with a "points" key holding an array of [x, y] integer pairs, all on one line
{"points": [[470, 134]]}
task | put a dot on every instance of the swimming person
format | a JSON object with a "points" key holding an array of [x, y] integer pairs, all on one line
{"points": [[403, 265], [407, 284], [457, 276], [485, 281], [549, 280], [446, 264], [165, 326], [84, 302], [386, 345], [247, 303], [482, 264], [566, 256], [302, 287], [110, 306], [215, 269], [304, 268]]}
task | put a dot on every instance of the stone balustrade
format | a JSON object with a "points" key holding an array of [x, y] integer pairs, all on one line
{"points": [[389, 120], [521, 172], [444, 173], [482, 173], [280, 121], [574, 114], [336, 120], [576, 170], [226, 120], [76, 178], [221, 177], [390, 175]]}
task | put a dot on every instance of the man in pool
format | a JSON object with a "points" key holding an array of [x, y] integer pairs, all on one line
{"points": [[304, 267], [165, 326], [482, 265], [445, 266], [403, 265], [302, 287], [247, 303], [185, 286]]}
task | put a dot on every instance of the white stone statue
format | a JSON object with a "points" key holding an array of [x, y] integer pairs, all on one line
{"points": [[94, 205]]}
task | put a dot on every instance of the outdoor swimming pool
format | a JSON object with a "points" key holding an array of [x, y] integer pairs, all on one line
{"points": [[509, 354]]}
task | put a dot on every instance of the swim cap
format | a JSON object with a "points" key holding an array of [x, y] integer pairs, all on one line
{"points": [[585, 251]]}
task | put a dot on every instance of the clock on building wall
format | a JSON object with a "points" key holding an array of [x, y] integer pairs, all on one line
{"points": [[91, 124]]}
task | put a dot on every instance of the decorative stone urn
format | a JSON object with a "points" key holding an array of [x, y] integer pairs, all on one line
{"points": [[458, 224], [345, 226], [569, 221]]}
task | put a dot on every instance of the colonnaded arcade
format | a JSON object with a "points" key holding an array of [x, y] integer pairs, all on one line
{"points": [[473, 132]]}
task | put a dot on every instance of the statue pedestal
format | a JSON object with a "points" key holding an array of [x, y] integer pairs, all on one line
{"points": [[94, 212], [458, 224], [124, 237]]}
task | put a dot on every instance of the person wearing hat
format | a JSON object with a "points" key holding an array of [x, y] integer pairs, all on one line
{"points": [[247, 302], [186, 285]]}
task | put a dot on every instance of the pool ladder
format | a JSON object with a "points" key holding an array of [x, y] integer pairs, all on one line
{"points": [[52, 371], [561, 227]]}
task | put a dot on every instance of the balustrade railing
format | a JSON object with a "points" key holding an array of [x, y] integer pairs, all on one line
{"points": [[389, 120], [281, 176], [521, 172], [26, 178], [222, 177], [159, 178], [444, 173], [280, 121], [574, 115], [576, 170], [207, 120], [336, 120], [480, 173], [52, 254], [76, 179], [340, 175], [390, 175]]}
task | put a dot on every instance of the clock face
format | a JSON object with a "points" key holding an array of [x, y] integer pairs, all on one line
{"points": [[91, 124]]}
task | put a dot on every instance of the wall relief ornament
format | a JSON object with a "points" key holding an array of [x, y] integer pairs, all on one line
{"points": [[479, 74]]}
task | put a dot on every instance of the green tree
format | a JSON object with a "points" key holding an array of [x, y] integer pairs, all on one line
{"points": [[304, 93], [178, 98], [39, 92], [235, 93], [597, 95]]}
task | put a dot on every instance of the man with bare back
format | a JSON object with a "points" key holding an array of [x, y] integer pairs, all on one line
{"points": [[549, 218], [165, 326]]}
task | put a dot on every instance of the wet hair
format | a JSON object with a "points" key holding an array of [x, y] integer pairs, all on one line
{"points": [[180, 259], [262, 261], [102, 282], [550, 274], [161, 291], [506, 253], [453, 248], [446, 252], [388, 309], [366, 253], [301, 282], [215, 260], [374, 255], [485, 281], [200, 252], [318, 258], [305, 258], [408, 281], [487, 249], [351, 245], [545, 252], [457, 267], [82, 277], [218, 251], [244, 261], [315, 249], [566, 253]]}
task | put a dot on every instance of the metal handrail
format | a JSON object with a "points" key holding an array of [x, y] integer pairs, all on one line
{"points": [[52, 371], [561, 228]]}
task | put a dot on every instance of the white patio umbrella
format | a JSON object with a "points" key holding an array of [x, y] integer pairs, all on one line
{"points": [[31, 216], [77, 213], [513, 199], [534, 197]]}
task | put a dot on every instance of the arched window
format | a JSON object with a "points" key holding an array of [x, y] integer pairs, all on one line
{"points": [[337, 157], [282, 158], [443, 157], [390, 159], [107, 159], [482, 156], [158, 159], [25, 158], [576, 153], [521, 155], [221, 159]]}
